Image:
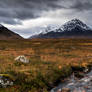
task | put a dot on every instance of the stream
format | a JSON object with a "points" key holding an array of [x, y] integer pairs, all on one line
{"points": [[76, 85]]}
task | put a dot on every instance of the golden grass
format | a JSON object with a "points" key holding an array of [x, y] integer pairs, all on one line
{"points": [[45, 56]]}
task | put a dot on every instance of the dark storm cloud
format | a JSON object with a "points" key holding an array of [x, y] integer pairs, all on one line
{"points": [[82, 5], [24, 9], [28, 9]]}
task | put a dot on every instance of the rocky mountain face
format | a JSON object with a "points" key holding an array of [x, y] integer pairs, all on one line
{"points": [[72, 29], [6, 34]]}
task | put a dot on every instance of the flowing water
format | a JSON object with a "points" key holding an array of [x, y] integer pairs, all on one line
{"points": [[76, 85]]}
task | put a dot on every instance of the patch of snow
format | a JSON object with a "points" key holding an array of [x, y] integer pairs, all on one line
{"points": [[50, 28]]}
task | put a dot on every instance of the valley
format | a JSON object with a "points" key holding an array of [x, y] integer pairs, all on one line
{"points": [[45, 46]]}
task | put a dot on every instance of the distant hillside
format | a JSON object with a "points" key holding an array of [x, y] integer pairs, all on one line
{"points": [[6, 34], [72, 29]]}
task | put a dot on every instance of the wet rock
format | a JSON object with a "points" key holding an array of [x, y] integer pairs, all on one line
{"points": [[77, 69], [65, 90], [86, 70], [22, 59], [87, 87], [79, 90], [59, 90], [79, 74]]}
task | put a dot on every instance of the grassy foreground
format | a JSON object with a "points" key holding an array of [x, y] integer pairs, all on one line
{"points": [[50, 60]]}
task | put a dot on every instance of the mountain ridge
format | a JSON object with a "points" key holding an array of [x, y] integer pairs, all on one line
{"points": [[73, 28]]}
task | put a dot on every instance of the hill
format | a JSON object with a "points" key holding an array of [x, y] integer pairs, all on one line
{"points": [[6, 34]]}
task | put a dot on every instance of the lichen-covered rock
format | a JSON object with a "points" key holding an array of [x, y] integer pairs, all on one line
{"points": [[22, 59], [4, 82]]}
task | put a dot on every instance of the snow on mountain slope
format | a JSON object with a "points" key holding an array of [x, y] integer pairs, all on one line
{"points": [[68, 26], [72, 24], [49, 29], [73, 28]]}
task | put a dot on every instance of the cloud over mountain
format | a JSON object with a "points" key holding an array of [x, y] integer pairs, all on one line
{"points": [[16, 12]]}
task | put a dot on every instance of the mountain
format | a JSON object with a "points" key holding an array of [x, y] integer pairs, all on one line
{"points": [[6, 34], [72, 29]]}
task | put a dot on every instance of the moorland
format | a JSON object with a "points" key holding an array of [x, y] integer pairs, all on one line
{"points": [[51, 61]]}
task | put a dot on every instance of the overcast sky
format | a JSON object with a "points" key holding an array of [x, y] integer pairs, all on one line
{"points": [[28, 17]]}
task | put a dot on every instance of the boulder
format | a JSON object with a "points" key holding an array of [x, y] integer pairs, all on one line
{"points": [[22, 59]]}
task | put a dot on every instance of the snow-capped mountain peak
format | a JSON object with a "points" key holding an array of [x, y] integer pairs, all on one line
{"points": [[72, 24]]}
